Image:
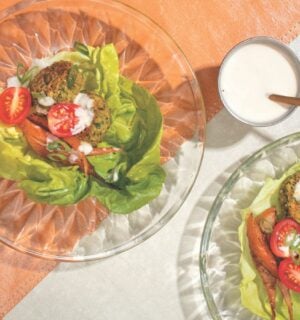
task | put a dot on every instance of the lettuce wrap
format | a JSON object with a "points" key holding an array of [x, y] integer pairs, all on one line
{"points": [[253, 294], [128, 179]]}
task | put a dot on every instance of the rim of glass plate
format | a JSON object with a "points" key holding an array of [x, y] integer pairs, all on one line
{"points": [[198, 98], [214, 210]]}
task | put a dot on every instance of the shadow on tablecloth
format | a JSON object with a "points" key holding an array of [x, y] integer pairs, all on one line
{"points": [[189, 287]]}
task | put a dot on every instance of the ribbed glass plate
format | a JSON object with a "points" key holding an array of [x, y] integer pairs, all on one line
{"points": [[86, 231], [220, 248]]}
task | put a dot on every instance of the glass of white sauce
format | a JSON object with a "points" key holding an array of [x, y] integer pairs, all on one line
{"points": [[250, 72]]}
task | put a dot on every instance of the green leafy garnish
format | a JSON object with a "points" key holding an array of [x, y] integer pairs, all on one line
{"points": [[24, 75], [38, 95], [72, 75], [57, 157], [58, 145], [81, 48]]}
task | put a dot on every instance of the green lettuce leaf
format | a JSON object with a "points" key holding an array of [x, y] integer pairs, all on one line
{"points": [[42, 181], [253, 294], [117, 93], [128, 179], [139, 174], [137, 129]]}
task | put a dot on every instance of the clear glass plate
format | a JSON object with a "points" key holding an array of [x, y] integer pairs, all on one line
{"points": [[220, 248], [86, 231]]}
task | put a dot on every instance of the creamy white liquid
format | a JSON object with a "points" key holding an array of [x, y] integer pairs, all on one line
{"points": [[250, 75]]}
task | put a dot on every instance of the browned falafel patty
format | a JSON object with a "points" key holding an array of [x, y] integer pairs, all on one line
{"points": [[288, 204], [61, 81], [101, 122]]}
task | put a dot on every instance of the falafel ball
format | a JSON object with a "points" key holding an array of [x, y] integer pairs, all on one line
{"points": [[100, 124], [62, 81], [288, 204]]}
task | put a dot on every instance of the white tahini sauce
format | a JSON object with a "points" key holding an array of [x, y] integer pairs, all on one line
{"points": [[85, 119], [85, 112], [84, 101], [46, 101], [13, 82], [250, 75], [50, 138], [85, 147], [73, 157]]}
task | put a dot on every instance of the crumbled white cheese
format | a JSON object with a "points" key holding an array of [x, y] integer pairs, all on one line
{"points": [[297, 192], [41, 110], [46, 101], [84, 113], [85, 147], [73, 157], [84, 101], [50, 138], [90, 104], [85, 118], [115, 176], [284, 249], [288, 240], [13, 82], [41, 63]]}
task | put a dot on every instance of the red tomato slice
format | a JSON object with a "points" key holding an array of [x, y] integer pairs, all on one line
{"points": [[15, 105], [62, 119], [280, 237], [289, 274]]}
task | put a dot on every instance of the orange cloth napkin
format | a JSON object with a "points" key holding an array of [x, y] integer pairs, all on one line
{"points": [[205, 30], [19, 274]]}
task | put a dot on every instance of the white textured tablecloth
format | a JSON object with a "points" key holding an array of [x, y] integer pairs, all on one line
{"points": [[160, 278]]}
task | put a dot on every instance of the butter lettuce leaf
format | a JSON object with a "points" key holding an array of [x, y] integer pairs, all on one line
{"points": [[253, 294], [139, 174], [136, 128], [42, 181]]}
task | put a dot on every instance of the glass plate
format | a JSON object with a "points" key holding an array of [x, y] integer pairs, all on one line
{"points": [[148, 56], [220, 248]]}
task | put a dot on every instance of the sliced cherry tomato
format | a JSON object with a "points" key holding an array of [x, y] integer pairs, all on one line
{"points": [[62, 119], [282, 235], [289, 274], [15, 105]]}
